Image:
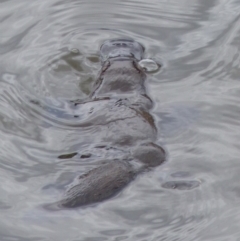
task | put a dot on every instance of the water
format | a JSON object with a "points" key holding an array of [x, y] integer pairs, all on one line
{"points": [[49, 53]]}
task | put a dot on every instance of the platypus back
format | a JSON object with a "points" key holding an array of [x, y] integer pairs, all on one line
{"points": [[129, 126]]}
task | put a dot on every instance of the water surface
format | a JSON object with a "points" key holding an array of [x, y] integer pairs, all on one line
{"points": [[49, 52]]}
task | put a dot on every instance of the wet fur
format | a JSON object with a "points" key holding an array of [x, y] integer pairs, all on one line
{"points": [[130, 126]]}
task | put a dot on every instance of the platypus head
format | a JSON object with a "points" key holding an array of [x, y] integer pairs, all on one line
{"points": [[121, 49]]}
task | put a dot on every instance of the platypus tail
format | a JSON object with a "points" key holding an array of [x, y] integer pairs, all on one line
{"points": [[107, 180], [97, 185]]}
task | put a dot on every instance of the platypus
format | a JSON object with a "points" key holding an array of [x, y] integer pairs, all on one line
{"points": [[124, 112]]}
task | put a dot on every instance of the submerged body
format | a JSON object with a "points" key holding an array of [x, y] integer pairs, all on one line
{"points": [[126, 125]]}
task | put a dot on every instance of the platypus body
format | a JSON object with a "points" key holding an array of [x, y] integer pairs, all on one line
{"points": [[126, 126]]}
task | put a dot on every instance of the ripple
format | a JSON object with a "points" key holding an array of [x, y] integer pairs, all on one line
{"points": [[49, 55], [181, 185]]}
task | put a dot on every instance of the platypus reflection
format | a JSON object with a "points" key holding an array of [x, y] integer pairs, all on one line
{"points": [[128, 125]]}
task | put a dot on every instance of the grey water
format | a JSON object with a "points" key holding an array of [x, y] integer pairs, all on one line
{"points": [[49, 53]]}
